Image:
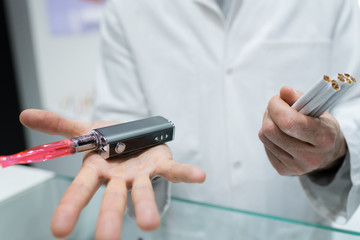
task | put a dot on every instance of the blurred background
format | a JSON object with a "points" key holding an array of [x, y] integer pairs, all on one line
{"points": [[50, 54]]}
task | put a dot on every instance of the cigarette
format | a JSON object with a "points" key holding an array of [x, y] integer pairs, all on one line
{"points": [[311, 93], [344, 86], [341, 77], [323, 95]]}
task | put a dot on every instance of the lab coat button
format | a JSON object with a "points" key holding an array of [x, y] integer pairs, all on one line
{"points": [[229, 71], [237, 164]]}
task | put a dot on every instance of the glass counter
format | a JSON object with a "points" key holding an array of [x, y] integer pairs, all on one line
{"points": [[27, 215]]}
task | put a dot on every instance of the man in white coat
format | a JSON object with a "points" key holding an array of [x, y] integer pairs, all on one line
{"points": [[212, 67]]}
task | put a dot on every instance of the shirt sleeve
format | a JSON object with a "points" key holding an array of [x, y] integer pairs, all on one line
{"points": [[118, 95], [339, 199]]}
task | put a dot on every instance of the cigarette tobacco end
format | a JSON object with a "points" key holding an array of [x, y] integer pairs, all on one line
{"points": [[335, 85], [327, 78], [341, 78]]}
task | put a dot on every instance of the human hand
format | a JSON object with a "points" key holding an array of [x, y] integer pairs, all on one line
{"points": [[297, 144], [118, 174]]}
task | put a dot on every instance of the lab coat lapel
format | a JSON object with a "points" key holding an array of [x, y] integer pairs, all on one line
{"points": [[207, 3], [234, 9], [211, 5]]}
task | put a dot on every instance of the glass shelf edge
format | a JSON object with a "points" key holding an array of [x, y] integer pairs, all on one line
{"points": [[288, 220]]}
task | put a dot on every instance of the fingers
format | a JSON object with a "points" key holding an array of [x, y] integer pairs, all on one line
{"points": [[291, 122], [284, 163], [280, 153], [160, 163], [176, 172], [74, 200], [52, 123], [134, 173], [289, 95], [314, 131], [112, 210], [142, 194], [280, 167], [270, 132], [310, 143]]}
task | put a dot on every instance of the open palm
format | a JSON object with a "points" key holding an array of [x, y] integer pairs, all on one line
{"points": [[118, 174]]}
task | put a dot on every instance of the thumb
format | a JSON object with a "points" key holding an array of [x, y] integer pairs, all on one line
{"points": [[52, 123], [289, 95]]}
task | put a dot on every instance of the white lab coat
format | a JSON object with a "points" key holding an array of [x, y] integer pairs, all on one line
{"points": [[213, 77]]}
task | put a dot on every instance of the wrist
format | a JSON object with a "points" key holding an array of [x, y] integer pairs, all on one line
{"points": [[339, 156], [326, 175]]}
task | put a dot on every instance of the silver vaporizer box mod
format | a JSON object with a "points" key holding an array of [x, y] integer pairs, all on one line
{"points": [[126, 138]]}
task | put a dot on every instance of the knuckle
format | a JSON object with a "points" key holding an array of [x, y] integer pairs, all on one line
{"points": [[261, 134], [273, 100], [282, 171], [325, 140], [268, 127], [279, 167], [287, 124]]}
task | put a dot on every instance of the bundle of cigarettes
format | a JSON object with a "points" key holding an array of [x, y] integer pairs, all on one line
{"points": [[323, 95]]}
